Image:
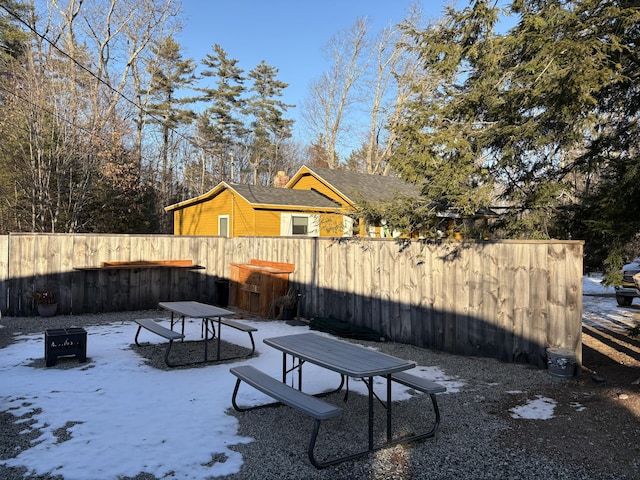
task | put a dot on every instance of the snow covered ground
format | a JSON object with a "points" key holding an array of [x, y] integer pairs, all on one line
{"points": [[600, 310], [144, 416]]}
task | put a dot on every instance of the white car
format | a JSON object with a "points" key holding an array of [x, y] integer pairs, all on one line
{"points": [[626, 292]]}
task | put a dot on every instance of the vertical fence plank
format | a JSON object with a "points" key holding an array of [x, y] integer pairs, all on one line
{"points": [[538, 302], [353, 272], [4, 273], [24, 271], [506, 300], [459, 274], [486, 266], [385, 260], [368, 284], [572, 332]]}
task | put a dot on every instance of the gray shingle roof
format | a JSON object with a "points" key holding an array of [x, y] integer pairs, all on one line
{"points": [[259, 194], [373, 188]]}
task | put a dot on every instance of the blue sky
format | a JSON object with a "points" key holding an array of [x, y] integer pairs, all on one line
{"points": [[286, 34]]}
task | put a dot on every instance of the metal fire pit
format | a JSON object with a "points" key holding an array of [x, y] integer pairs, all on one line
{"points": [[61, 342]]}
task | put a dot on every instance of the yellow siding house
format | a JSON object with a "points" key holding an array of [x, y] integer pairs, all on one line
{"points": [[314, 202], [253, 210]]}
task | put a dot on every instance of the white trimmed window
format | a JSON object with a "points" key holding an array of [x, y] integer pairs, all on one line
{"points": [[299, 224], [223, 225]]}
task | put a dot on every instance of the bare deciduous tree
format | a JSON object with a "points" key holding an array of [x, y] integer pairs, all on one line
{"points": [[69, 97], [331, 97], [394, 72]]}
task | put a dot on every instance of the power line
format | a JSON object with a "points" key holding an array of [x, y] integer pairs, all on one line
{"points": [[123, 96], [53, 114]]}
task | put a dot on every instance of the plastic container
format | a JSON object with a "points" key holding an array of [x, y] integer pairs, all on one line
{"points": [[222, 292], [561, 362]]}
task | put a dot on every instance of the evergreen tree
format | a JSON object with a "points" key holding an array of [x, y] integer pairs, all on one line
{"points": [[269, 127], [13, 38], [169, 74], [220, 126], [317, 152], [539, 114]]}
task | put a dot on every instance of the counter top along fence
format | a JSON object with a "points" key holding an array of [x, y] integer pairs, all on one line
{"points": [[504, 299]]}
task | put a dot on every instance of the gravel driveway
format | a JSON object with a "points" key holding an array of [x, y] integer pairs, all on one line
{"points": [[593, 433]]}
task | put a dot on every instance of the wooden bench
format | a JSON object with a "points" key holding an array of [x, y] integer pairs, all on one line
{"points": [[158, 329], [425, 386], [317, 409]]}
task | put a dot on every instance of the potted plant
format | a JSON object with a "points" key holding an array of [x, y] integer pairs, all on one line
{"points": [[284, 307], [289, 305], [46, 303]]}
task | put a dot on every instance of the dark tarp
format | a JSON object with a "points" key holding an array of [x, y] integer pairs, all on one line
{"points": [[344, 329]]}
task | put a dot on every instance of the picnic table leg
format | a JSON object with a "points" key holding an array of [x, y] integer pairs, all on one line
{"points": [[253, 344], [426, 434], [389, 436], [285, 370], [166, 354], [299, 375], [138, 333], [370, 414], [205, 321], [219, 335], [173, 322]]}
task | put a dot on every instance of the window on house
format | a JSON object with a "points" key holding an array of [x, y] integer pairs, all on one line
{"points": [[223, 225], [299, 225]]}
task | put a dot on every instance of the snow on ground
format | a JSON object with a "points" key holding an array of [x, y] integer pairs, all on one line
{"points": [[541, 408], [600, 309], [119, 404]]}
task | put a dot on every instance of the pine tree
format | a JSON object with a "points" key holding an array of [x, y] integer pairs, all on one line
{"points": [[169, 74], [269, 127], [220, 126]]}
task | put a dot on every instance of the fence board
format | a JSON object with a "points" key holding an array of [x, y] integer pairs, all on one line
{"points": [[4, 272], [506, 301], [367, 283], [487, 266]]}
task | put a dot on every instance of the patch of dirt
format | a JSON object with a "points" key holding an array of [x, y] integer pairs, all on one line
{"points": [[190, 354], [596, 422]]}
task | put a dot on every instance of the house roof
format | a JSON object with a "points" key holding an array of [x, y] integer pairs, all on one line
{"points": [[261, 196], [353, 186]]}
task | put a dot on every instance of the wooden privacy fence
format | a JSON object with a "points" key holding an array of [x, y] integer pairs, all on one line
{"points": [[504, 299]]}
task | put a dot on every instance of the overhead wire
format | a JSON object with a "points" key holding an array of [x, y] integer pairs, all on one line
{"points": [[54, 114], [92, 74]]}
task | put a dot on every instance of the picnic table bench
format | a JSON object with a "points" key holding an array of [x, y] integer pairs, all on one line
{"points": [[314, 407], [208, 313], [158, 329]]}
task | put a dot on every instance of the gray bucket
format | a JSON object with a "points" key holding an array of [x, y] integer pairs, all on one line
{"points": [[561, 362]]}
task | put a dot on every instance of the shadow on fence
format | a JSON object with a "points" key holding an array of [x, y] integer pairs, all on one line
{"points": [[508, 300], [99, 291]]}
